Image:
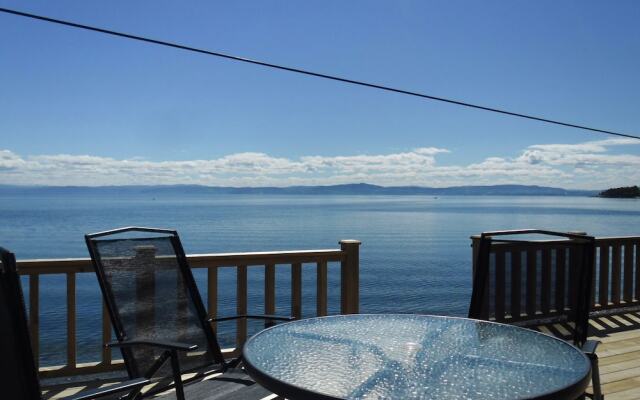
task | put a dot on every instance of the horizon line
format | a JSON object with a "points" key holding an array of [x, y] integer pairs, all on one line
{"points": [[295, 186]]}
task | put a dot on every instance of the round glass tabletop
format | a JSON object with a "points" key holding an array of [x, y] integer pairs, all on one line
{"points": [[413, 357]]}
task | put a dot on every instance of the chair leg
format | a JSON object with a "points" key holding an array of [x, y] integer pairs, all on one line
{"points": [[177, 376], [235, 363], [595, 378]]}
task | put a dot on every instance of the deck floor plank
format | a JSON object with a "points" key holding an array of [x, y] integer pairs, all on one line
{"points": [[619, 359]]}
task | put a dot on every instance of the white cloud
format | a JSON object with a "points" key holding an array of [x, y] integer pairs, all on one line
{"points": [[9, 160], [581, 154], [583, 165]]}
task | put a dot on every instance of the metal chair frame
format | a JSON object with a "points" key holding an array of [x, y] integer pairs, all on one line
{"points": [[171, 349], [15, 300]]}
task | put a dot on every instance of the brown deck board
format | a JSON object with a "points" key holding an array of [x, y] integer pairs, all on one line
{"points": [[619, 356]]}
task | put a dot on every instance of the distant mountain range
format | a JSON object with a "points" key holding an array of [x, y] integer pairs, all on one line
{"points": [[348, 189]]}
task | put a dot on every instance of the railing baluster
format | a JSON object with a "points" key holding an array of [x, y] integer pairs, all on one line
{"points": [[269, 291], [628, 273], [561, 273], [241, 305], [106, 335], [615, 275], [296, 290], [545, 292], [486, 296], [575, 264], [500, 286], [532, 267], [212, 294], [603, 289], [516, 284], [594, 275], [321, 288], [34, 315], [637, 269], [71, 320]]}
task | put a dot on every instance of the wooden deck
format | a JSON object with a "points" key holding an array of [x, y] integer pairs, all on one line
{"points": [[618, 352], [619, 355]]}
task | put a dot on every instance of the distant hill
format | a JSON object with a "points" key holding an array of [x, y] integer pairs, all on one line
{"points": [[348, 189], [621, 192]]}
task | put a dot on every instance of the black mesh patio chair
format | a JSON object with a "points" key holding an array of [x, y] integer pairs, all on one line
{"points": [[556, 291], [18, 372], [160, 322]]}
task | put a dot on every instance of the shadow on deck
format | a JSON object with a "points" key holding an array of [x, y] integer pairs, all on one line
{"points": [[619, 354], [63, 389]]}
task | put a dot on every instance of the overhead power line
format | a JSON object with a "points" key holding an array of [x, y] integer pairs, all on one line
{"points": [[310, 73]]}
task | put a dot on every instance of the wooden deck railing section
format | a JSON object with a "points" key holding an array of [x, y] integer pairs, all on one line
{"points": [[347, 256], [531, 281]]}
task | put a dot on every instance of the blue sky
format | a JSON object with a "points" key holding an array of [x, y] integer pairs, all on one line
{"points": [[82, 108]]}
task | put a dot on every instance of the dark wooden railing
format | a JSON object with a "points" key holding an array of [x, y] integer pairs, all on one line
{"points": [[347, 256], [533, 281], [617, 273]]}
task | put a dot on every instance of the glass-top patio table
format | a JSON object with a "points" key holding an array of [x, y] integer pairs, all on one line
{"points": [[413, 357]]}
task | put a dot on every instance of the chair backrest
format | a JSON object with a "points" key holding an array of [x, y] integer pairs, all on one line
{"points": [[18, 373], [534, 282], [151, 294]]}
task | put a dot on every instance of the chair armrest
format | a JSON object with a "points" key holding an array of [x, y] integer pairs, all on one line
{"points": [[252, 316], [154, 343], [105, 391], [589, 347]]}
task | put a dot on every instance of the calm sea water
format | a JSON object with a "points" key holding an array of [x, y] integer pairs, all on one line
{"points": [[415, 253]]}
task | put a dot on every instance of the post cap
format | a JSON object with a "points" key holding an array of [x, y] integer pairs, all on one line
{"points": [[350, 241]]}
